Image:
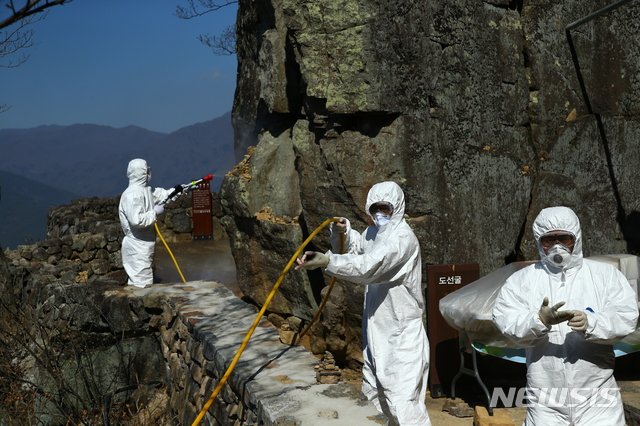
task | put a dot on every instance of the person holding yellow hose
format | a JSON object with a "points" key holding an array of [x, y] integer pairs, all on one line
{"points": [[139, 208], [386, 259]]}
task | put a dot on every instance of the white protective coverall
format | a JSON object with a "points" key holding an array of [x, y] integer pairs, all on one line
{"points": [[577, 366], [137, 217], [395, 345]]}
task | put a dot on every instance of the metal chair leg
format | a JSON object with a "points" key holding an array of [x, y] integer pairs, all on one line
{"points": [[473, 373]]}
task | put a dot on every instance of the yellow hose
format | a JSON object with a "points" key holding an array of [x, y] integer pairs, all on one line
{"points": [[169, 250], [224, 379], [326, 296]]}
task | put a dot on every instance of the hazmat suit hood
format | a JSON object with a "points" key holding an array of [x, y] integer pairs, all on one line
{"points": [[389, 192], [137, 172], [559, 219]]}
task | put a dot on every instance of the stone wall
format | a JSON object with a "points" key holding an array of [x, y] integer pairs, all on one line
{"points": [[82, 337], [202, 325], [473, 107], [191, 372], [154, 356], [85, 237], [68, 341], [98, 215]]}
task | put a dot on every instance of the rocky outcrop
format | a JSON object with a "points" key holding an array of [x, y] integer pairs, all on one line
{"points": [[473, 107]]}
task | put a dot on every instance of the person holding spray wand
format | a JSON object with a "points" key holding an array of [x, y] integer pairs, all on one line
{"points": [[385, 258], [139, 208]]}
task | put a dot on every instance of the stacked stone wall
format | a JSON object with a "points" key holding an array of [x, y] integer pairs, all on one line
{"points": [[94, 215], [74, 281], [66, 301], [192, 372], [86, 236]]}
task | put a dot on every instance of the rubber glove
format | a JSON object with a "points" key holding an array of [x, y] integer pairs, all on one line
{"points": [[159, 208], [339, 227], [312, 260], [579, 321], [551, 315]]}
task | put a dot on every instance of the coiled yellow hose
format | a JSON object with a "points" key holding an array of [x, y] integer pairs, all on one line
{"points": [[224, 379]]}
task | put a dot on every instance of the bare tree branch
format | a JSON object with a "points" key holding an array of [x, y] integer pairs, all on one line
{"points": [[17, 39], [222, 45], [225, 43], [13, 41], [31, 7], [205, 6]]}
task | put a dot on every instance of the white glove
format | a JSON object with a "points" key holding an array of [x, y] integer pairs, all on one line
{"points": [[159, 208], [579, 321], [551, 315], [339, 227], [312, 260]]}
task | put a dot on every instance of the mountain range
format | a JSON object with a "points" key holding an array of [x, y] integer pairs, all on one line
{"points": [[51, 165]]}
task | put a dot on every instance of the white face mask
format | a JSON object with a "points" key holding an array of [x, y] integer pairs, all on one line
{"points": [[381, 219], [558, 256]]}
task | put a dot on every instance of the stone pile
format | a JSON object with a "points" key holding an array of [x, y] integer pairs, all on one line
{"points": [[327, 372]]}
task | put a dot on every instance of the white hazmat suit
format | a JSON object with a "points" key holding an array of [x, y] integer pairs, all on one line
{"points": [[137, 217], [569, 373], [395, 347]]}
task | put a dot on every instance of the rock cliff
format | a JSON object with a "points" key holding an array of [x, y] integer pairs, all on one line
{"points": [[473, 107]]}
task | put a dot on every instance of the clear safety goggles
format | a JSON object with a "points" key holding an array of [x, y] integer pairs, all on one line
{"points": [[382, 207], [565, 238]]}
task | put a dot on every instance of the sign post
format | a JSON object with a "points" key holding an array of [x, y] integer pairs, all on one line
{"points": [[443, 340], [201, 207]]}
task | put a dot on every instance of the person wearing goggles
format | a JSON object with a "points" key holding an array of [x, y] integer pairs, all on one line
{"points": [[568, 350], [385, 258]]}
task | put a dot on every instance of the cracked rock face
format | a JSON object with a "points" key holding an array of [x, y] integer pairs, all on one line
{"points": [[473, 107]]}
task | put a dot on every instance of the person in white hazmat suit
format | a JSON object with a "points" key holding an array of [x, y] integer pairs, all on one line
{"points": [[386, 259], [570, 357], [138, 210]]}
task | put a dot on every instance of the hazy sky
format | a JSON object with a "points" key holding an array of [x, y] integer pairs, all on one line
{"points": [[117, 63]]}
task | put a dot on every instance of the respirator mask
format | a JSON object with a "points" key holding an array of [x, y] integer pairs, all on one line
{"points": [[381, 213], [381, 219], [559, 256], [558, 248]]}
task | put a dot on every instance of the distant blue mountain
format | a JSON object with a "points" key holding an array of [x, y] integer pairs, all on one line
{"points": [[91, 160], [51, 165], [24, 205]]}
